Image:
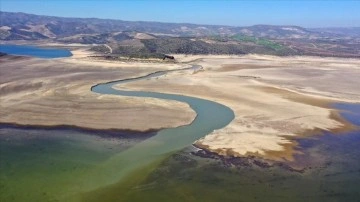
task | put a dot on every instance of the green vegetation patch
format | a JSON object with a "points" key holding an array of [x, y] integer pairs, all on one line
{"points": [[259, 41]]}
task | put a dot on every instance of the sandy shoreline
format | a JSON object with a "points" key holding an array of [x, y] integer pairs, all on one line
{"points": [[275, 99]]}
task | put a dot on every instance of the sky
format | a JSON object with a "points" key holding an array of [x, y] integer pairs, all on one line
{"points": [[305, 13]]}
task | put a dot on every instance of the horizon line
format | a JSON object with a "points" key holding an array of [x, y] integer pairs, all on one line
{"points": [[239, 26]]}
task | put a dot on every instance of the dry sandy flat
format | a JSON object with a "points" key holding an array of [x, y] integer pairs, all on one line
{"points": [[57, 92], [274, 99]]}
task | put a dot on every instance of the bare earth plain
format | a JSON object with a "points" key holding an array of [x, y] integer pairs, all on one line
{"points": [[275, 99], [57, 92]]}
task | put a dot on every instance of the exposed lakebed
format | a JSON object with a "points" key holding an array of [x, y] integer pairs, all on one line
{"points": [[63, 164]]}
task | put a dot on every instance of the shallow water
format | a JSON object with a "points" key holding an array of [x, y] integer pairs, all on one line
{"points": [[36, 163], [34, 51], [330, 171]]}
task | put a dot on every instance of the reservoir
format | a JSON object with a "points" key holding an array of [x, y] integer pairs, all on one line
{"points": [[71, 164], [34, 51]]}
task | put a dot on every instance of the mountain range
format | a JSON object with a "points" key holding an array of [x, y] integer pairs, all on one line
{"points": [[133, 37]]}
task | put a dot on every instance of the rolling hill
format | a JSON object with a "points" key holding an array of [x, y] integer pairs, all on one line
{"points": [[140, 38]]}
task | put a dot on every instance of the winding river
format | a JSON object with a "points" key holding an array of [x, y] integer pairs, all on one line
{"points": [[210, 116]]}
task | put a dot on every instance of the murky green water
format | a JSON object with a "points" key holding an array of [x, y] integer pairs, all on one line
{"points": [[328, 170], [40, 165]]}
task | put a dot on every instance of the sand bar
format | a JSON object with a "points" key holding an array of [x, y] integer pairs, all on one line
{"points": [[274, 99]]}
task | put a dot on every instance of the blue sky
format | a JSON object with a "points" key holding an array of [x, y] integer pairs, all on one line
{"points": [[306, 13]]}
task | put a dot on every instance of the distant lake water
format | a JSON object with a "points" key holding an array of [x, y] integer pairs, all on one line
{"points": [[35, 51]]}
